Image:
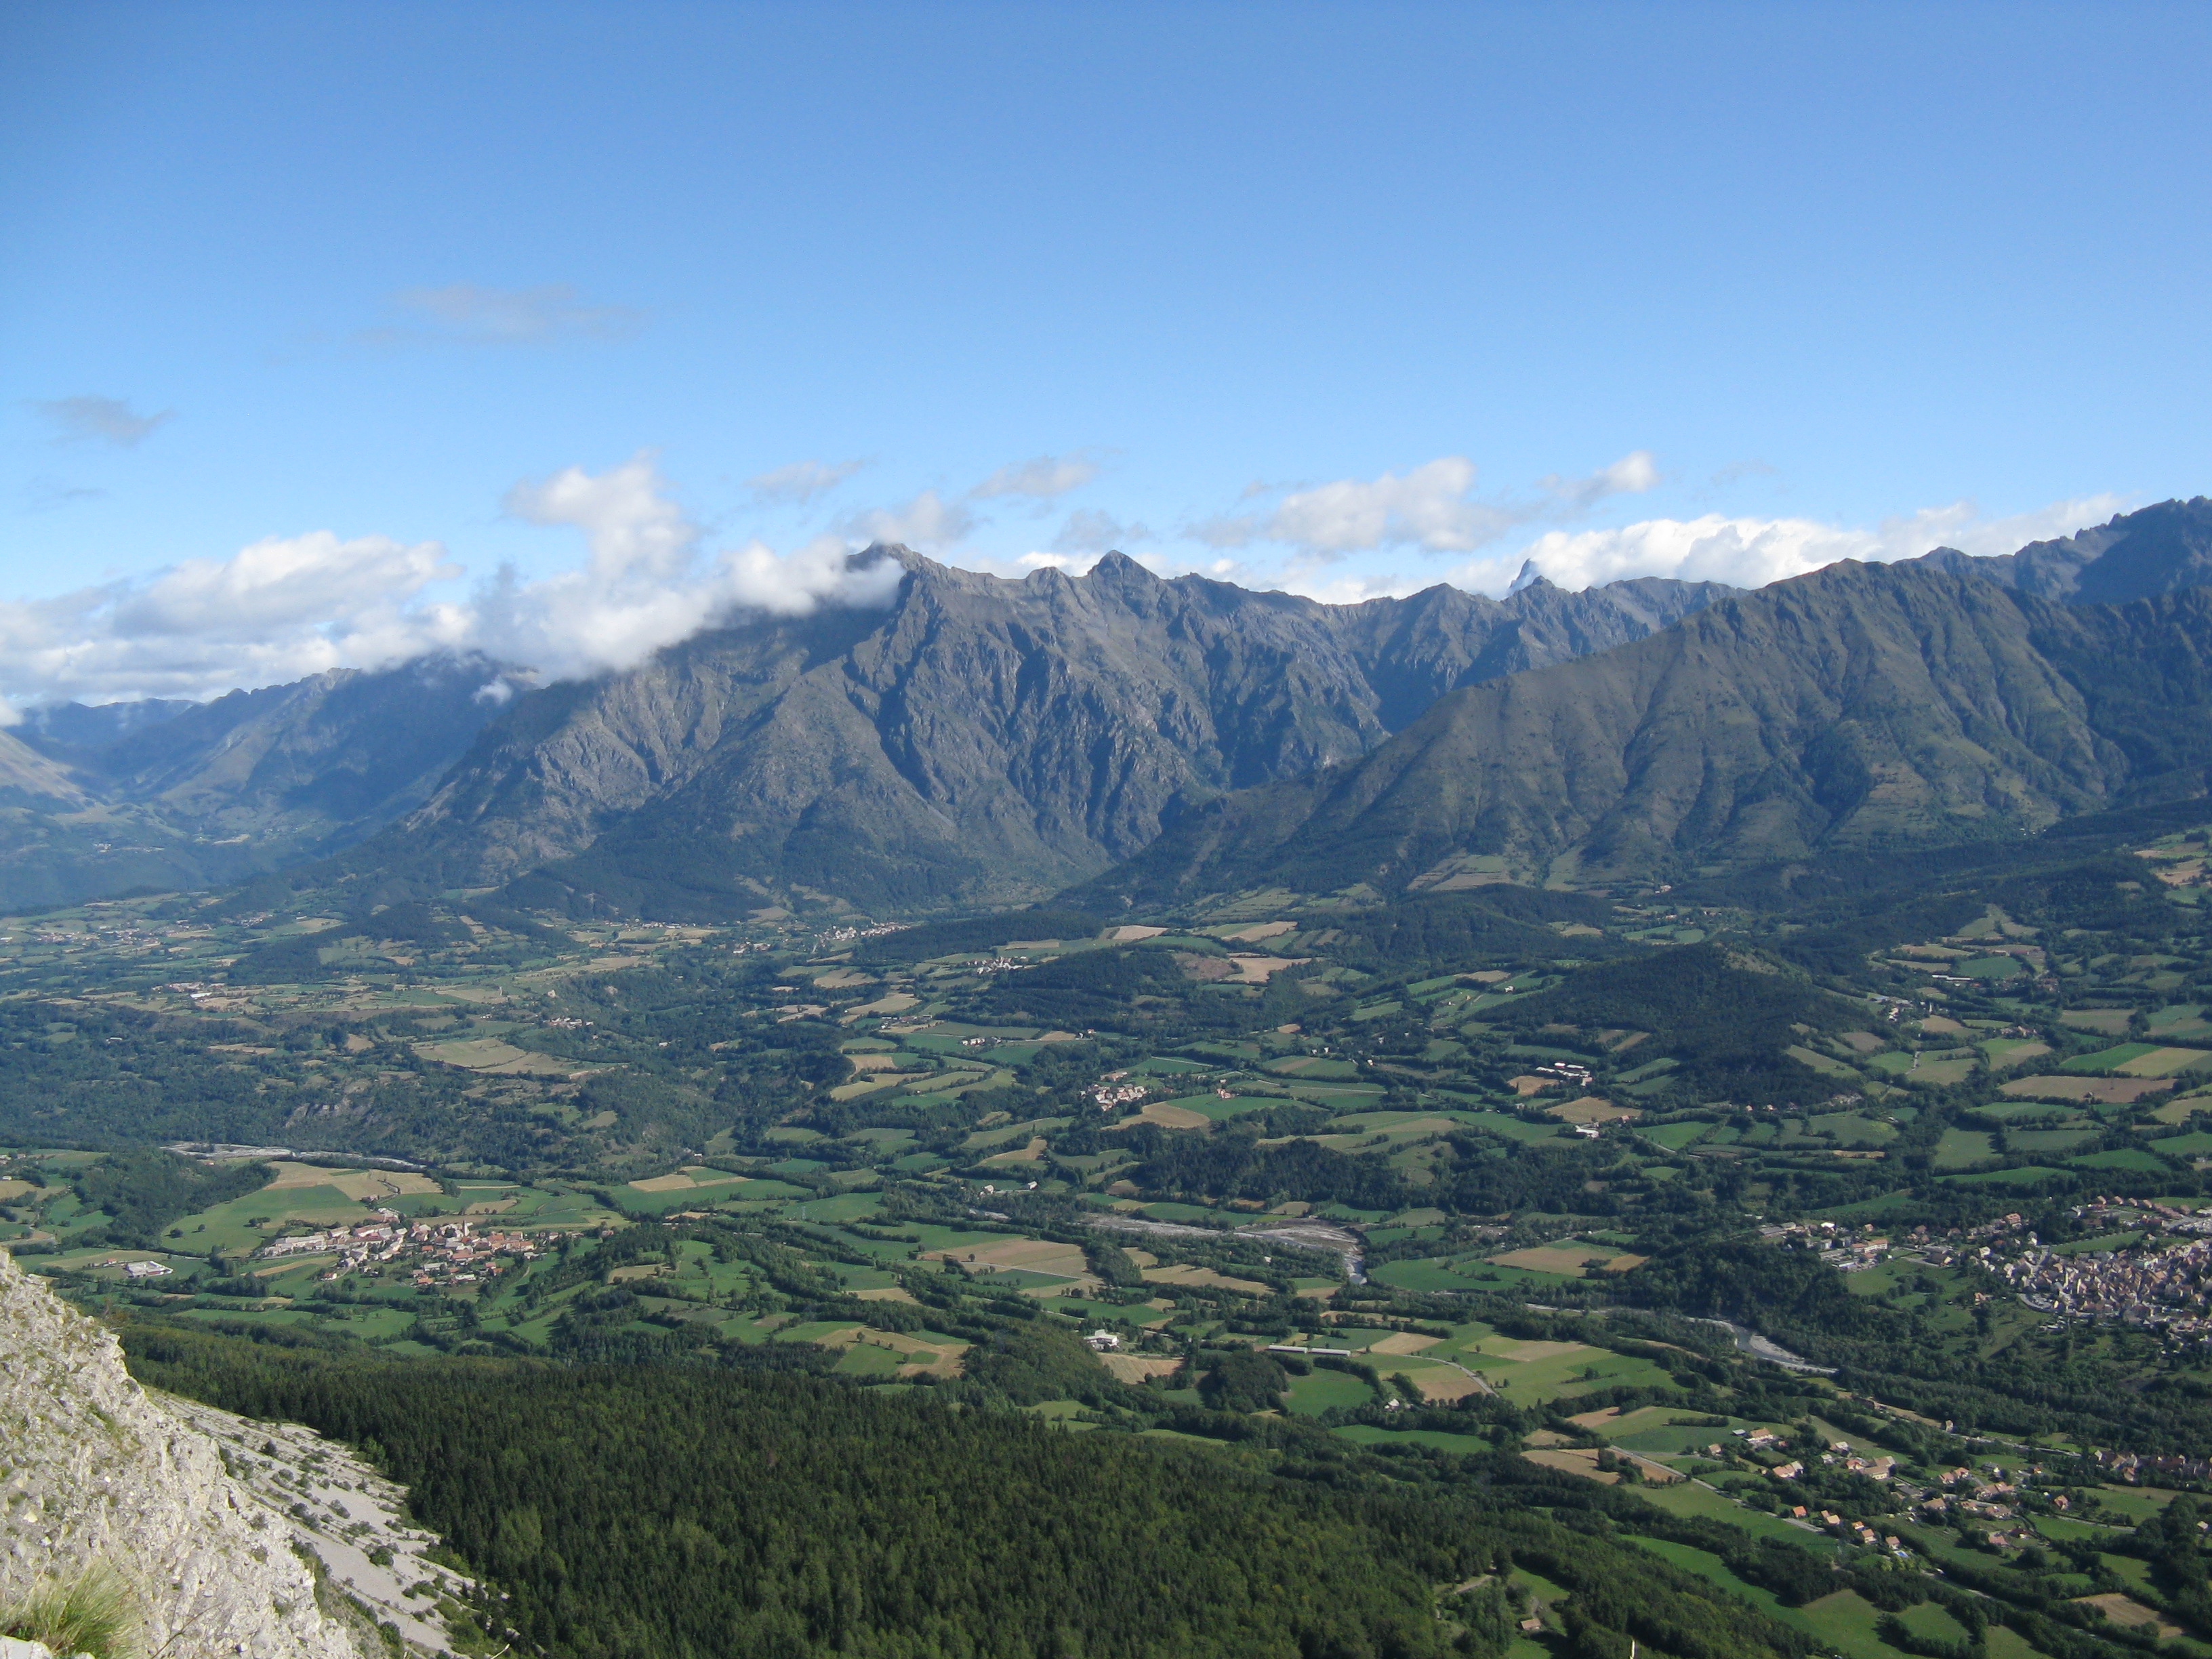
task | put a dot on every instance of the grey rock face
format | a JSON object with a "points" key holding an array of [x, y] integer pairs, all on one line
{"points": [[93, 1468]]}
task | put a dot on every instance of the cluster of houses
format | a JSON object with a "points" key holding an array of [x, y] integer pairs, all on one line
{"points": [[2132, 1467], [1991, 1497], [1112, 1091], [2162, 1282], [1839, 1247], [1566, 1071], [453, 1250], [854, 935], [1857, 1532]]}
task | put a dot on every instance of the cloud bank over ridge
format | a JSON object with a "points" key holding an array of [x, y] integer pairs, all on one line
{"points": [[286, 607], [1751, 552]]}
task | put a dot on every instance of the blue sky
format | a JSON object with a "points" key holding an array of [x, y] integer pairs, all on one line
{"points": [[312, 318]]}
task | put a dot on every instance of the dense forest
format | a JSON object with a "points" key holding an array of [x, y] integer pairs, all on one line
{"points": [[648, 1510]]}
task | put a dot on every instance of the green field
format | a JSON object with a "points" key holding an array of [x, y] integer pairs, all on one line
{"points": [[1309, 1396], [1960, 1148], [2048, 1140], [2109, 1060], [1362, 1434], [2130, 1157], [2028, 1175]]}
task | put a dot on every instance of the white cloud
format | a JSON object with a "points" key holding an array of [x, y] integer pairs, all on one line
{"points": [[926, 520], [801, 482], [628, 521], [1431, 507], [1074, 564], [286, 608], [108, 420], [281, 583], [645, 586], [1631, 475], [277, 610], [470, 313], [1091, 531], [1042, 478], [1752, 552]]}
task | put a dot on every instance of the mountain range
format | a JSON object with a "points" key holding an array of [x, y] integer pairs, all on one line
{"points": [[1861, 707], [980, 742], [983, 742]]}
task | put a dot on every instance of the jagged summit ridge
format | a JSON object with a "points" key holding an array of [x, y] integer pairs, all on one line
{"points": [[1863, 706], [983, 740]]}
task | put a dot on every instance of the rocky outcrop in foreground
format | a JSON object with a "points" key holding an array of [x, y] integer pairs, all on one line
{"points": [[95, 1470]]}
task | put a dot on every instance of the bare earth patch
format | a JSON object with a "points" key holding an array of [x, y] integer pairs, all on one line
{"points": [[897, 1003], [1256, 970], [1037, 1255], [1184, 1273], [1205, 969], [1168, 1117], [1444, 1383], [2130, 1613], [1552, 1258], [1135, 1368], [364, 1186], [1574, 1459], [1591, 1108], [2106, 1091]]}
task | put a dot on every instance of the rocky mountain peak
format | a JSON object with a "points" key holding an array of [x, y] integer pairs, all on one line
{"points": [[1119, 570]]}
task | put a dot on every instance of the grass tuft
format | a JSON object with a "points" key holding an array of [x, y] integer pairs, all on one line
{"points": [[95, 1612]]}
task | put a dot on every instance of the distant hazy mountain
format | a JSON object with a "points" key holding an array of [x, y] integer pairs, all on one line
{"points": [[981, 741], [1867, 706], [76, 732], [95, 801]]}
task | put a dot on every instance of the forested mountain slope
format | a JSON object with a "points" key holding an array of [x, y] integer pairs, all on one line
{"points": [[1860, 706], [981, 740]]}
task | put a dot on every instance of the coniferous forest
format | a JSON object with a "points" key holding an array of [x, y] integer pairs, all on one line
{"points": [[665, 1511]]}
